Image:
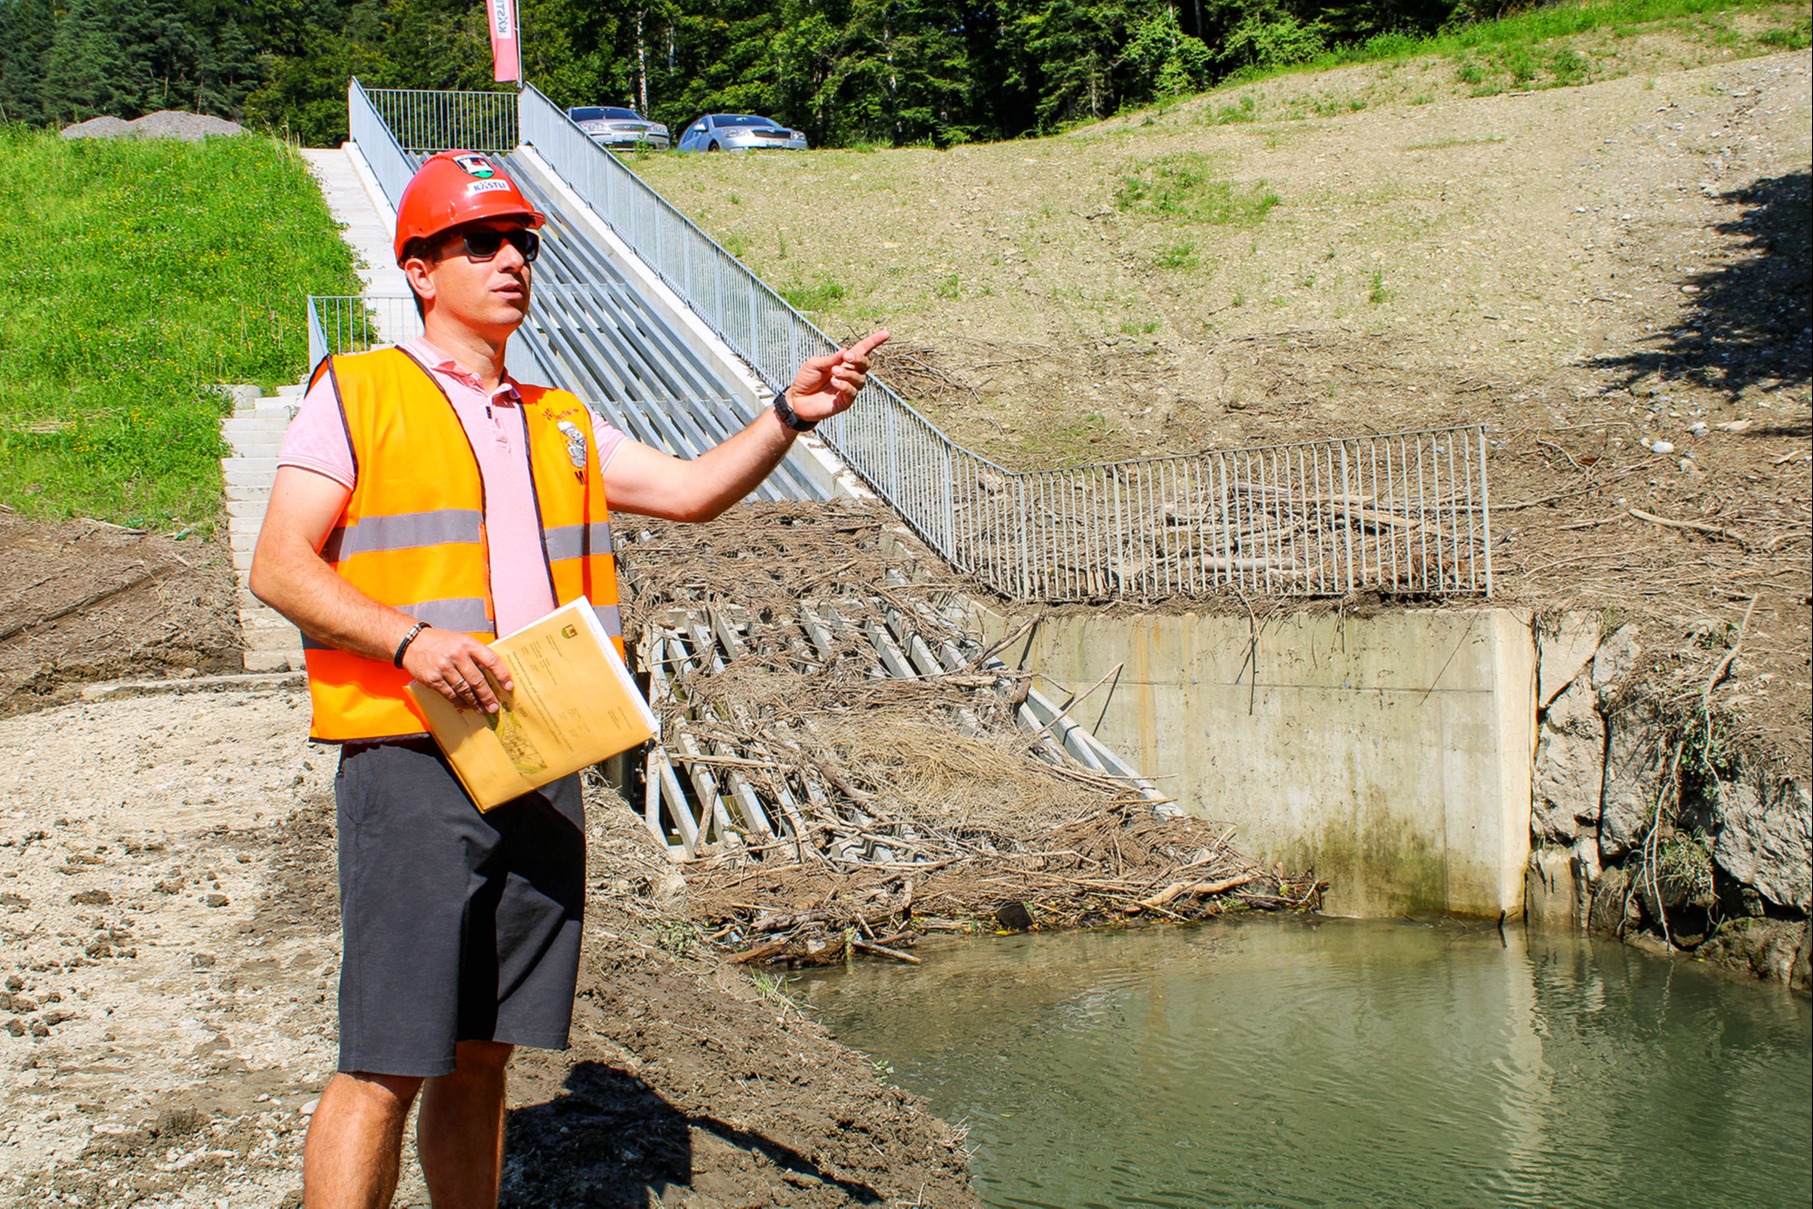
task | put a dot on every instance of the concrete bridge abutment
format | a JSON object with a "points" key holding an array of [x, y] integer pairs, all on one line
{"points": [[1391, 751]]}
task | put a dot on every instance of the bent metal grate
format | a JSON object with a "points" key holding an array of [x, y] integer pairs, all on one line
{"points": [[1405, 513]]}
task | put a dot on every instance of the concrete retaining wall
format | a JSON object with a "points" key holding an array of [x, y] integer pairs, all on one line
{"points": [[1392, 752]]}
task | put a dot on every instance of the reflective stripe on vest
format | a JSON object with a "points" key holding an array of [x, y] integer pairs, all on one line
{"points": [[408, 531], [413, 535]]}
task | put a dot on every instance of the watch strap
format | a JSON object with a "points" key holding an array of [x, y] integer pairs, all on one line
{"points": [[790, 418]]}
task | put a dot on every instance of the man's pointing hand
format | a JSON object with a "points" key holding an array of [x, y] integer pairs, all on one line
{"points": [[827, 385]]}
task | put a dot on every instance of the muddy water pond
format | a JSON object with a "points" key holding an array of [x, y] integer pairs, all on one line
{"points": [[1323, 1063]]}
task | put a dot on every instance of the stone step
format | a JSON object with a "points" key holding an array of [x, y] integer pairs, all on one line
{"points": [[249, 509], [273, 661], [267, 428], [244, 492], [240, 394], [263, 620], [253, 475], [273, 640], [263, 617], [270, 633]]}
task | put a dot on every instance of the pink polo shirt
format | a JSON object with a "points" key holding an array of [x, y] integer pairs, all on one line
{"points": [[317, 441]]}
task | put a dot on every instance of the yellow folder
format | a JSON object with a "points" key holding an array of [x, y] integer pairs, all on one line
{"points": [[573, 704]]}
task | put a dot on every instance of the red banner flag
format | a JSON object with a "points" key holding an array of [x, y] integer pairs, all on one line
{"points": [[506, 45]]}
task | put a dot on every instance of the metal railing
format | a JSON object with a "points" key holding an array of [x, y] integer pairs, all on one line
{"points": [[384, 155], [424, 122], [1401, 513], [1404, 513], [351, 323]]}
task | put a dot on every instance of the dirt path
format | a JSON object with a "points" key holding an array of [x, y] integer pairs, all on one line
{"points": [[171, 929]]}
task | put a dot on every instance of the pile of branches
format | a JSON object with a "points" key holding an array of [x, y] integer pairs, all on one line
{"points": [[903, 800], [1117, 864]]}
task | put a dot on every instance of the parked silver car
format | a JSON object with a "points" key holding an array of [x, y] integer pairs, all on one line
{"points": [[614, 126], [740, 132]]}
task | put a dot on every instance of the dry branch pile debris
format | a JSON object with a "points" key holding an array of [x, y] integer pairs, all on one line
{"points": [[846, 767], [1118, 863]]}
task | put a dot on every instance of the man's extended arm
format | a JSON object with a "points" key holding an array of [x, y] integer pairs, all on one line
{"points": [[289, 574], [644, 480]]}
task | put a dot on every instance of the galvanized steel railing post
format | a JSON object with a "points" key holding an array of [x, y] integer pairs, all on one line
{"points": [[1485, 513]]}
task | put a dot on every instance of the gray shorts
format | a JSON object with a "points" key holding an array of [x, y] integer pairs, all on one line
{"points": [[458, 926]]}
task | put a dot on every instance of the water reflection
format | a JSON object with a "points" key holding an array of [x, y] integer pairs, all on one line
{"points": [[1268, 1063]]}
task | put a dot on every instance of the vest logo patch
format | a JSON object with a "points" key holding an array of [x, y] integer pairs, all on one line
{"points": [[575, 443]]}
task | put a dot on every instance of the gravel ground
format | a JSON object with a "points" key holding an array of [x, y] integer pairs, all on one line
{"points": [[164, 124], [171, 933]]}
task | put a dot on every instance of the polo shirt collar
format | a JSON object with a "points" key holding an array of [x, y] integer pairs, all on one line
{"points": [[442, 363]]}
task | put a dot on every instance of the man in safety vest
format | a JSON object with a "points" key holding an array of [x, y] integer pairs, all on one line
{"points": [[425, 502]]}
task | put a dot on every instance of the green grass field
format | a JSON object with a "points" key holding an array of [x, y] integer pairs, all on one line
{"points": [[142, 273], [1524, 50]]}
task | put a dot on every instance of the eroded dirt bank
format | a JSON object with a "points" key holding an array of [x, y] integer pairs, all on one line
{"points": [[85, 601]]}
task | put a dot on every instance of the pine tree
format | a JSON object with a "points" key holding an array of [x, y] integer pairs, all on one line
{"points": [[162, 57], [901, 71], [27, 31], [84, 65]]}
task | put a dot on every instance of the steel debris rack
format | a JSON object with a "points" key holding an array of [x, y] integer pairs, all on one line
{"points": [[734, 774]]}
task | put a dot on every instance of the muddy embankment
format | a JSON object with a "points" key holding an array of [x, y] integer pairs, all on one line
{"points": [[1654, 820]]}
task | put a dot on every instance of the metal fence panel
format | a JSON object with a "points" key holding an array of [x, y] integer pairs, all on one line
{"points": [[424, 122], [351, 323]]}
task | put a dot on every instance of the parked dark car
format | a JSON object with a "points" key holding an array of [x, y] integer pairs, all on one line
{"points": [[740, 132], [614, 126]]}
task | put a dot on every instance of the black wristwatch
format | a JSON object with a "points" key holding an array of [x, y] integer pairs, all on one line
{"points": [[789, 417]]}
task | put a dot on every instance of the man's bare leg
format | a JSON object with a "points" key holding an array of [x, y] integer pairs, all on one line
{"points": [[460, 1130], [355, 1141]]}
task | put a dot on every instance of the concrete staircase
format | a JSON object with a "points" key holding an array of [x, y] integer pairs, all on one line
{"points": [[255, 433], [255, 429]]}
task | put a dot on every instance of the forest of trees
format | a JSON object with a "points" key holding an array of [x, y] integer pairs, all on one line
{"points": [[845, 71]]}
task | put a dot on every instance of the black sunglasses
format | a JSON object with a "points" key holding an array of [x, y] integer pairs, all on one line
{"points": [[482, 243]]}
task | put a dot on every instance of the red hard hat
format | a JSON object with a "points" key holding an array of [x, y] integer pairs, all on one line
{"points": [[457, 187]]}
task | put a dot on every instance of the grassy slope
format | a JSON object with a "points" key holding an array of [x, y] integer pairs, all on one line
{"points": [[1540, 47], [141, 273]]}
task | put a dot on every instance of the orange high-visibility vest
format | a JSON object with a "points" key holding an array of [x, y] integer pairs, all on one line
{"points": [[413, 533]]}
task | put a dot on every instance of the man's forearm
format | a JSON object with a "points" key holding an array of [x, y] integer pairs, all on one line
{"points": [[729, 471], [646, 481], [299, 585]]}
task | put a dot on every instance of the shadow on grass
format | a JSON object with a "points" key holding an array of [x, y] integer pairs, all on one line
{"points": [[1748, 324], [612, 1142]]}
